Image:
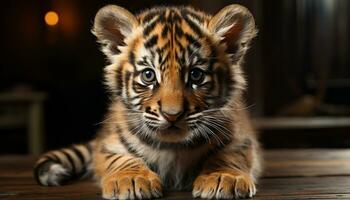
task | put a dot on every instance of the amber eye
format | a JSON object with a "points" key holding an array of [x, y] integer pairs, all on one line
{"points": [[148, 76], [196, 76]]}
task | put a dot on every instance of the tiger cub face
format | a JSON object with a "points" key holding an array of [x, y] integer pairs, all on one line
{"points": [[174, 68]]}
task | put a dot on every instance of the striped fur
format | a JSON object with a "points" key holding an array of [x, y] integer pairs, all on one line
{"points": [[177, 119], [59, 166]]}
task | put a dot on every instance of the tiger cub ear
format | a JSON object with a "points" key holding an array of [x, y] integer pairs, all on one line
{"points": [[235, 26], [111, 25]]}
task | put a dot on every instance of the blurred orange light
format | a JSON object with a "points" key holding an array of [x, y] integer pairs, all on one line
{"points": [[51, 18]]}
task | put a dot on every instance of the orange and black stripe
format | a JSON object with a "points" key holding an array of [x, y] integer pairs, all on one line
{"points": [[75, 160]]}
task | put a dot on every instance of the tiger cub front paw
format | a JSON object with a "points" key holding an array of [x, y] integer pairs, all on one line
{"points": [[131, 185], [220, 185]]}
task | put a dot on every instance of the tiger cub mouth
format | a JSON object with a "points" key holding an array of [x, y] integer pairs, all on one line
{"points": [[172, 132], [171, 129]]}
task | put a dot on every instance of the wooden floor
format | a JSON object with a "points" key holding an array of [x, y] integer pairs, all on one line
{"points": [[289, 174]]}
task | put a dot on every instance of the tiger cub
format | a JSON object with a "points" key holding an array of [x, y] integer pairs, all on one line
{"points": [[176, 119]]}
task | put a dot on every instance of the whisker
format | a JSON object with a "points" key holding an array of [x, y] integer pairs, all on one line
{"points": [[220, 130]]}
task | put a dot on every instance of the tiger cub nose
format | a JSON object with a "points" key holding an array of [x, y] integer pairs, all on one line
{"points": [[172, 115]]}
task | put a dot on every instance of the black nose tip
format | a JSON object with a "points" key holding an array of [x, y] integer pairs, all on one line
{"points": [[172, 116]]}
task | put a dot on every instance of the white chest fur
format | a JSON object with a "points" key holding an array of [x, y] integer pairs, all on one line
{"points": [[173, 166]]}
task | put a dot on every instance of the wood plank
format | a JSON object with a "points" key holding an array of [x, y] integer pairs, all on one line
{"points": [[307, 162], [304, 186], [290, 174], [277, 188], [26, 188], [307, 154], [16, 166]]}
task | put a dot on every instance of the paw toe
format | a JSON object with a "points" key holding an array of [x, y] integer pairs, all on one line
{"points": [[131, 187], [223, 186]]}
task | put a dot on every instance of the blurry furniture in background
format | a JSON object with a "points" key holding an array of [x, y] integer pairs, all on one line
{"points": [[280, 123], [305, 59], [304, 132], [24, 109], [301, 62]]}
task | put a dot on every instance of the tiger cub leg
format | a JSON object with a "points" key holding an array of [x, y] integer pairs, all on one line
{"points": [[126, 177], [228, 175]]}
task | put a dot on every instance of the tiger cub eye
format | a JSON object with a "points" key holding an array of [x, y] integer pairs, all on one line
{"points": [[197, 76], [148, 76]]}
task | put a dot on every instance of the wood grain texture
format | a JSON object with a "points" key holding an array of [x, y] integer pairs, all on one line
{"points": [[307, 162], [289, 174]]}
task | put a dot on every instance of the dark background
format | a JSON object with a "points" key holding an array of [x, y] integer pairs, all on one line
{"points": [[298, 66]]}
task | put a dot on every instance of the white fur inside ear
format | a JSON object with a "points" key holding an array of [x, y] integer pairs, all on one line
{"points": [[234, 17], [54, 175], [221, 31], [123, 22], [112, 26], [112, 19]]}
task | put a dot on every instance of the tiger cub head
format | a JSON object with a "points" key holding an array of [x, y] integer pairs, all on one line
{"points": [[175, 69]]}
